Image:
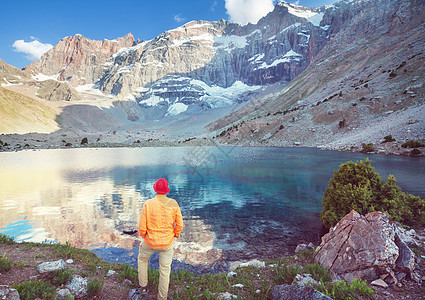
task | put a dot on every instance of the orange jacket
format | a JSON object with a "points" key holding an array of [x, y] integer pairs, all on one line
{"points": [[160, 221]]}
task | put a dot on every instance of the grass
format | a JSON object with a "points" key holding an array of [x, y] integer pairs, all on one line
{"points": [[5, 263], [257, 282], [60, 277], [341, 290], [29, 290], [94, 287]]}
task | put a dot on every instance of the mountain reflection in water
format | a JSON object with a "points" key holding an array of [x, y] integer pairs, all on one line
{"points": [[238, 203]]}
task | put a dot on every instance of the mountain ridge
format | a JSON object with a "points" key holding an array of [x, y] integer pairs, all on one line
{"points": [[303, 69]]}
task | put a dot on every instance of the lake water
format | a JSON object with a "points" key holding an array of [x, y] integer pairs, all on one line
{"points": [[238, 203]]}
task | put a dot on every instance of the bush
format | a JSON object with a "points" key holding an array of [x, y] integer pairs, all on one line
{"points": [[388, 138], [358, 186], [84, 141], [415, 151], [412, 144], [35, 289], [367, 148], [5, 264], [94, 287], [4, 239]]}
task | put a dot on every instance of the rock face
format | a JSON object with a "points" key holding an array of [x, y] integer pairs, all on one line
{"points": [[364, 247], [11, 75], [53, 90], [289, 292], [78, 59]]}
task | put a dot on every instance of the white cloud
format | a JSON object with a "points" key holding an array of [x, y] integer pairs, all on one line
{"points": [[213, 5], [248, 11], [33, 49], [179, 19]]}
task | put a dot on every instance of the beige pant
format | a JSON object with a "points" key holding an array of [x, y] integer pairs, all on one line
{"points": [[165, 259]]}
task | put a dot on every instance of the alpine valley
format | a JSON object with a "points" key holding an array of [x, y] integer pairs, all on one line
{"points": [[335, 77]]}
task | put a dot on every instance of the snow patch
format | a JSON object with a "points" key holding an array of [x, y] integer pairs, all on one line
{"points": [[218, 96], [176, 108], [152, 101], [303, 12], [288, 57], [43, 77]]}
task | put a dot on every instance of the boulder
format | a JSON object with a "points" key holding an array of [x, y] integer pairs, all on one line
{"points": [[364, 247], [290, 292], [51, 266], [8, 293], [78, 285]]}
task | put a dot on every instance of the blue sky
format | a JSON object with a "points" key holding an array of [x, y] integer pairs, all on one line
{"points": [[35, 25]]}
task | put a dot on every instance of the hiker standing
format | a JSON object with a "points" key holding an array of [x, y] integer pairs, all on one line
{"points": [[160, 222]]}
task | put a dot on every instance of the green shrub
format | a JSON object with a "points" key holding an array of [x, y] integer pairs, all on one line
{"points": [[60, 277], [358, 186], [128, 273], [412, 144], [367, 148], [5, 263], [5, 240], [341, 290], [94, 287], [388, 138], [285, 274], [415, 151], [29, 290], [318, 272]]}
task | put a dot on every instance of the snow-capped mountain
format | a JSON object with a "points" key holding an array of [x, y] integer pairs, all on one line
{"points": [[199, 65]]}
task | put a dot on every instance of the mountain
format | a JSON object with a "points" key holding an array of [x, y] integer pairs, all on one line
{"points": [[78, 59], [11, 75], [21, 114], [365, 83], [334, 76]]}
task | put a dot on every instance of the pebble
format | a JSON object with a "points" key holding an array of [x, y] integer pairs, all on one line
{"points": [[69, 261], [238, 285]]}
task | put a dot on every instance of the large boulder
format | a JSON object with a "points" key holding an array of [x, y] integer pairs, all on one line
{"points": [[365, 247], [78, 286], [51, 266], [290, 292]]}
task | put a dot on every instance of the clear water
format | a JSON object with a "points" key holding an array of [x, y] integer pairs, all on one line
{"points": [[238, 202]]}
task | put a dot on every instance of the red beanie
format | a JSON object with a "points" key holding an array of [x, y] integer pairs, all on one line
{"points": [[161, 186]]}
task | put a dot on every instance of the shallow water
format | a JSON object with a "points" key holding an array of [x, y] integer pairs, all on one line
{"points": [[238, 202]]}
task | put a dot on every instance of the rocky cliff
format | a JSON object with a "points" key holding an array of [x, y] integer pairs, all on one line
{"points": [[365, 83], [77, 59]]}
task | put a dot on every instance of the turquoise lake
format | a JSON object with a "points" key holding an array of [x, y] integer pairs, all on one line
{"points": [[238, 203]]}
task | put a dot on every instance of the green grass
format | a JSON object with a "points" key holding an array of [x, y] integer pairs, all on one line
{"points": [[5, 240], [285, 274], [29, 290], [94, 287], [341, 290], [318, 272], [129, 273], [60, 277], [5, 263]]}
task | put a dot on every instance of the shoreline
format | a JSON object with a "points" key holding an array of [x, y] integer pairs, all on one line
{"points": [[113, 139]]}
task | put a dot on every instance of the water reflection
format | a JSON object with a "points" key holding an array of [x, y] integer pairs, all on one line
{"points": [[250, 202]]}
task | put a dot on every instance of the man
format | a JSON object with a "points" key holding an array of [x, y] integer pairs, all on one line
{"points": [[160, 222]]}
